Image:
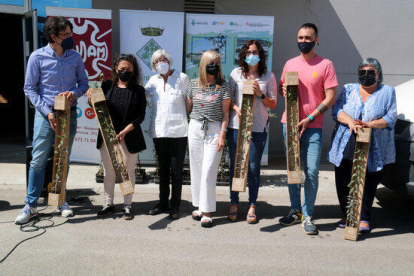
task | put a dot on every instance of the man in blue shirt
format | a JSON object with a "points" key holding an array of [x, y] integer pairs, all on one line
{"points": [[53, 70]]}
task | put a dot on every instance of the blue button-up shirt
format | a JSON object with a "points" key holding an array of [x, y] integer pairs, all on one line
{"points": [[381, 104], [48, 75]]}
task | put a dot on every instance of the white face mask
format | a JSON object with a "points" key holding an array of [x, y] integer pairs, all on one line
{"points": [[162, 67]]}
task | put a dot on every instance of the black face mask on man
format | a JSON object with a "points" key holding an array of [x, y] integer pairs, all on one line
{"points": [[212, 69], [67, 43], [366, 77], [306, 47], [125, 75]]}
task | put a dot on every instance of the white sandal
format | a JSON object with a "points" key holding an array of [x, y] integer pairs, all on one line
{"points": [[197, 214], [207, 224]]}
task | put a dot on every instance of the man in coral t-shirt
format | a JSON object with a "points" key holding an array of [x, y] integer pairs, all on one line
{"points": [[317, 89]]}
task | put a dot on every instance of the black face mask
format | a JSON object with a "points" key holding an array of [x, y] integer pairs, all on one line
{"points": [[367, 80], [306, 47], [67, 43], [125, 75], [212, 69]]}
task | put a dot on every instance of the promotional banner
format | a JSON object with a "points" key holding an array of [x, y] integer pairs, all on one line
{"points": [[142, 33], [92, 33], [226, 34]]}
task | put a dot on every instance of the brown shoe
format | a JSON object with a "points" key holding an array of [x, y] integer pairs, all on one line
{"points": [[232, 216], [251, 215]]}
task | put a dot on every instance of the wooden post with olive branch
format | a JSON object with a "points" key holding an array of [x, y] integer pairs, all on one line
{"points": [[357, 184], [292, 133], [111, 141], [244, 137], [57, 188]]}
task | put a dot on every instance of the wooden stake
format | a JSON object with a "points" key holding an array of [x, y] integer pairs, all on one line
{"points": [[243, 139], [111, 142], [57, 188], [356, 192], [292, 132], [2, 99]]}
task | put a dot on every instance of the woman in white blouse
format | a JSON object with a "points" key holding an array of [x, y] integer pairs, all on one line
{"points": [[252, 61], [168, 128]]}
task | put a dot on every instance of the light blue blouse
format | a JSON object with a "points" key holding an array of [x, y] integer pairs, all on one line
{"points": [[381, 104]]}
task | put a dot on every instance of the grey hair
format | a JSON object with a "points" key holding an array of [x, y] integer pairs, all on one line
{"points": [[374, 62], [157, 54]]}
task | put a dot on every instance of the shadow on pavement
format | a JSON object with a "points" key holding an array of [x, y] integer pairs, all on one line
{"points": [[12, 153]]}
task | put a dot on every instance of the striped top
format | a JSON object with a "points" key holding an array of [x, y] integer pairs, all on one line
{"points": [[207, 102]]}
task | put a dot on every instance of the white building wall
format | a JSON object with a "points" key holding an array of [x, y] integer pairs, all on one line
{"points": [[349, 31]]}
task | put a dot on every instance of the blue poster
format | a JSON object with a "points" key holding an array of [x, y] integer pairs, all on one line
{"points": [[40, 6], [12, 2]]}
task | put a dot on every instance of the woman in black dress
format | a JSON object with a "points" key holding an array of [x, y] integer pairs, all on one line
{"points": [[126, 104]]}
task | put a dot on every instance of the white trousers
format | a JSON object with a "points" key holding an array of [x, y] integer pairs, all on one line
{"points": [[204, 162], [109, 173]]}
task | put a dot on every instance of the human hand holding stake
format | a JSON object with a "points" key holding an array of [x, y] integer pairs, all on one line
{"points": [[284, 89], [121, 136], [361, 124], [238, 112], [69, 95], [354, 125], [124, 132]]}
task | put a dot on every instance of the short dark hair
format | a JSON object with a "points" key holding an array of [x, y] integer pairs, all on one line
{"points": [[310, 26], [374, 62], [54, 25], [243, 54], [136, 77]]}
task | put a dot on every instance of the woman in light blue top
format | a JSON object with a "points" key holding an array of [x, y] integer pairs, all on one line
{"points": [[371, 104]]}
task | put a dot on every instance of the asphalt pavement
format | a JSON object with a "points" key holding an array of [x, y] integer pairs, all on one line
{"points": [[155, 245]]}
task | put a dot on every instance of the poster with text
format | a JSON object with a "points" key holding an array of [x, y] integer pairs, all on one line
{"points": [[226, 34], [92, 33], [141, 34]]}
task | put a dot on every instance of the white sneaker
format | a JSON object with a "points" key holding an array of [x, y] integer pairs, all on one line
{"points": [[26, 214], [65, 210]]}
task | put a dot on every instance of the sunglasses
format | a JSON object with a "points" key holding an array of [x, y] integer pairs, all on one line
{"points": [[367, 72]]}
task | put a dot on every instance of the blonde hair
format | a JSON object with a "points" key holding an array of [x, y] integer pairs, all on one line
{"points": [[207, 58]]}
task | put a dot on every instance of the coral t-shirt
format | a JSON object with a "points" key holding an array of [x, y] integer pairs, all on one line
{"points": [[315, 75]]}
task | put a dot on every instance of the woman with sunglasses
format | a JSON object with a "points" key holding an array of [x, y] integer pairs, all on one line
{"points": [[126, 102], [209, 98], [252, 61], [168, 128], [367, 104]]}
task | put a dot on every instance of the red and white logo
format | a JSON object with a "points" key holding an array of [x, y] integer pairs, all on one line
{"points": [[90, 113], [93, 38]]}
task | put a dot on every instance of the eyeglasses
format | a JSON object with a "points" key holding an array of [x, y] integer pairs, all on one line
{"points": [[367, 72], [65, 35], [252, 52], [160, 60]]}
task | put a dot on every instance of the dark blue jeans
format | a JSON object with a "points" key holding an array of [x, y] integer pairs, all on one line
{"points": [[257, 145]]}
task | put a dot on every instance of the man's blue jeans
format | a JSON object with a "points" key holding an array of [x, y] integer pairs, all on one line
{"points": [[43, 138], [310, 155], [257, 145]]}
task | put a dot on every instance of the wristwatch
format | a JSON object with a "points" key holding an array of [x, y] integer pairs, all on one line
{"points": [[262, 96]]}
